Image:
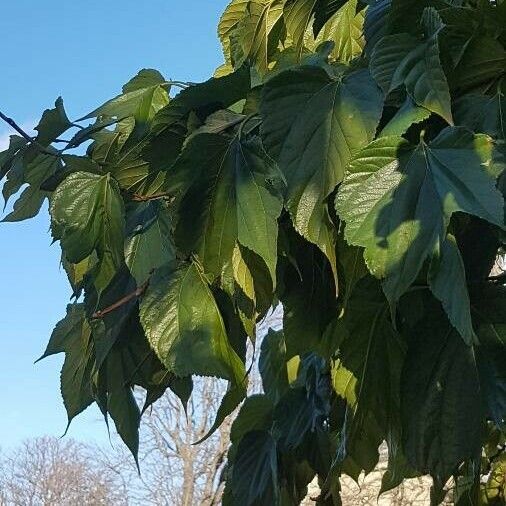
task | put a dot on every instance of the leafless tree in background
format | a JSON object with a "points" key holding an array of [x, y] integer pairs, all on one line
{"points": [[175, 471], [49, 471]]}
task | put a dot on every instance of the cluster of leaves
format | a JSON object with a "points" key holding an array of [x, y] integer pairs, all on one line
{"points": [[346, 161]]}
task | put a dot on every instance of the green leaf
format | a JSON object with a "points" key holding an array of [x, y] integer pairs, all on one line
{"points": [[489, 311], [31, 199], [446, 278], [183, 325], [351, 268], [401, 59], [72, 335], [408, 115], [143, 96], [204, 98], [254, 474], [86, 133], [375, 22], [232, 198], [87, 215], [250, 38], [345, 29], [397, 200], [121, 403], [231, 17], [256, 414], [441, 427], [249, 284], [148, 244], [367, 371], [52, 124], [483, 113], [303, 411], [308, 297], [272, 365], [312, 126], [482, 62], [324, 10], [297, 15]]}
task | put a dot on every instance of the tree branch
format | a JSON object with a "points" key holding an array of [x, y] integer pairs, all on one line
{"points": [[145, 198], [27, 137], [127, 298]]}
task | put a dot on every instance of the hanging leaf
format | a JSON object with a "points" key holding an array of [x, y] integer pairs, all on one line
{"points": [[441, 427], [254, 478], [367, 371], [183, 325], [72, 336]]}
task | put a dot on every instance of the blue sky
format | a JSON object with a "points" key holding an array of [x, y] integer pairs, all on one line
{"points": [[83, 50]]}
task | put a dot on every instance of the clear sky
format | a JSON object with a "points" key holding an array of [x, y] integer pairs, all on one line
{"points": [[83, 50]]}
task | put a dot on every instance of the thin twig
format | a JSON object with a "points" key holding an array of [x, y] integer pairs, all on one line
{"points": [[127, 298], [16, 127]]}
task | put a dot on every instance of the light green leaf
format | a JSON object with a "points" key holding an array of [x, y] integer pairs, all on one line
{"points": [[184, 326], [232, 197], [232, 15], [143, 96], [251, 35], [312, 126], [345, 29], [249, 283], [298, 15], [397, 200], [87, 215]]}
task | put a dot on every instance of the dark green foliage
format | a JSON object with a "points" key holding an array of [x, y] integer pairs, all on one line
{"points": [[346, 161]]}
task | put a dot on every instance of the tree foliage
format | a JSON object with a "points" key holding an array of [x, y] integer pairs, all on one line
{"points": [[347, 161]]}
